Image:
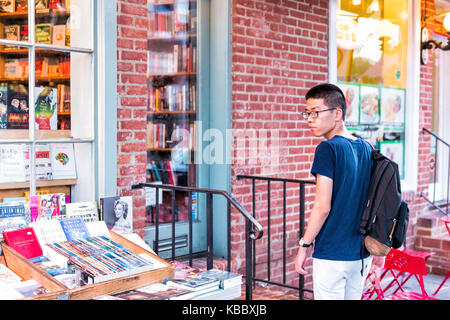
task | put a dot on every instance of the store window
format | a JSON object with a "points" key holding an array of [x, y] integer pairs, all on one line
{"points": [[372, 47], [46, 111]]}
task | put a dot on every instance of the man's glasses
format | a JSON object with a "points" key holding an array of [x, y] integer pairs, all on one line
{"points": [[314, 114]]}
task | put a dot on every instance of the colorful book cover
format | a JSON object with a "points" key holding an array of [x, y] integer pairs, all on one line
{"points": [[45, 108], [4, 107], [41, 5], [47, 206], [74, 228], [6, 6], [48, 231], [43, 33], [17, 107], [63, 161], [117, 212], [21, 5], [24, 241], [24, 33], [12, 217], [12, 32]]}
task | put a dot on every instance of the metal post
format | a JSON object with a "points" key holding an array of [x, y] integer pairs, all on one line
{"points": [[248, 262], [209, 231], [301, 280], [173, 225], [190, 228], [156, 247]]}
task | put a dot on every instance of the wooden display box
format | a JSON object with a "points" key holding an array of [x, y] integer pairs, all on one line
{"points": [[90, 291], [27, 270]]}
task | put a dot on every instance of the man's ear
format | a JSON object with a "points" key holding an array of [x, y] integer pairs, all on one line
{"points": [[339, 114]]}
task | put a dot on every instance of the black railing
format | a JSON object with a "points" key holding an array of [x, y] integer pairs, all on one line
{"points": [[439, 204], [253, 229], [301, 184]]}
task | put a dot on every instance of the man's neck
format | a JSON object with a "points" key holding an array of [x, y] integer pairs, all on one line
{"points": [[339, 130]]}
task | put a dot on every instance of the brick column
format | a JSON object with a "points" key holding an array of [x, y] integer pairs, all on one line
{"points": [[132, 102]]}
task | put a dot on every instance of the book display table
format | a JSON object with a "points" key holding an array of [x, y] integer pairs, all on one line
{"points": [[28, 270]]}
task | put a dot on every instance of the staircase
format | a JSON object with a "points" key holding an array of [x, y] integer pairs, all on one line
{"points": [[432, 236]]}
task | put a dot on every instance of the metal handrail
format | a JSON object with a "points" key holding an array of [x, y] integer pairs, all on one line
{"points": [[433, 201], [269, 180], [254, 230]]}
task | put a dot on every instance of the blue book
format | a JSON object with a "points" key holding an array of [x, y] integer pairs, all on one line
{"points": [[74, 228]]}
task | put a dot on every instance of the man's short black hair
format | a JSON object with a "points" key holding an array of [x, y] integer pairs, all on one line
{"points": [[331, 94]]}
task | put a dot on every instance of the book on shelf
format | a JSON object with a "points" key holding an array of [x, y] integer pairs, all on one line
{"points": [[63, 98], [87, 210], [22, 6], [6, 6], [24, 241], [17, 106], [8, 276], [23, 33], [59, 35], [47, 206], [63, 161], [41, 6], [43, 33], [43, 168], [13, 216], [12, 163], [45, 108], [3, 107], [117, 212], [14, 200], [56, 4], [74, 228], [11, 32]]}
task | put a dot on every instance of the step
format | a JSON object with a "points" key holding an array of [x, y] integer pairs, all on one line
{"points": [[429, 224]]}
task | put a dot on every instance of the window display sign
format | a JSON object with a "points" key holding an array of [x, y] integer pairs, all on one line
{"points": [[369, 106], [351, 92], [394, 151], [393, 108]]}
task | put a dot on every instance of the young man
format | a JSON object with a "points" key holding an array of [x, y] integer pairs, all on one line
{"points": [[342, 166]]}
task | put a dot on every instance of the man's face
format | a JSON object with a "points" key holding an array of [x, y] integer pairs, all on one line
{"points": [[325, 121]]}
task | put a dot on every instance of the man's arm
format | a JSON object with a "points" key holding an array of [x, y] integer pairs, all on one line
{"points": [[318, 216]]}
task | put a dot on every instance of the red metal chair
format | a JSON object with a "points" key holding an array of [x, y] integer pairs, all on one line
{"points": [[446, 220], [401, 262]]}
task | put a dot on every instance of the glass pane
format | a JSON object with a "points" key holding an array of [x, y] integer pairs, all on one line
{"points": [[371, 68], [14, 20], [58, 113], [62, 25], [14, 100], [172, 108]]}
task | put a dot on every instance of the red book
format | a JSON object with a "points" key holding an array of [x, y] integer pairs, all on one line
{"points": [[24, 241]]}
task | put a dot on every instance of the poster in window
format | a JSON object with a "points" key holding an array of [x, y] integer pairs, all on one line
{"points": [[351, 92], [394, 151], [369, 105], [393, 108]]}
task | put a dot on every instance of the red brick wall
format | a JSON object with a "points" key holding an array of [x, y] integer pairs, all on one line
{"points": [[279, 50], [132, 102]]}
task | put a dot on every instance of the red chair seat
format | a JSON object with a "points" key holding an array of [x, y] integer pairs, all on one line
{"points": [[410, 295]]}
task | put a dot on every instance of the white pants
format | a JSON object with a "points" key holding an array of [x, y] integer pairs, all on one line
{"points": [[339, 280]]}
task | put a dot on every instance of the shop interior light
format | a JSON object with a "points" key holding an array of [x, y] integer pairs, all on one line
{"points": [[356, 2], [446, 21], [374, 6]]}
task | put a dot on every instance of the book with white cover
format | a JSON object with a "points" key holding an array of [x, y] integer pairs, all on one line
{"points": [[8, 276], [48, 231], [98, 228], [12, 163], [63, 161], [165, 292], [87, 210], [227, 279]]}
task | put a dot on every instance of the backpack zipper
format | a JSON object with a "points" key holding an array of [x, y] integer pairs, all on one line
{"points": [[392, 231]]}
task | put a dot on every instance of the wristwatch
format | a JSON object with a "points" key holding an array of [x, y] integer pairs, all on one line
{"points": [[303, 244]]}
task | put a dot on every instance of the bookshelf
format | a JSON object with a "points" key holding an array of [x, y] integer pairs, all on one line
{"points": [[52, 85], [172, 99]]}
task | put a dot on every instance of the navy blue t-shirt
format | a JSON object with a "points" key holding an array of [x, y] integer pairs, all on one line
{"points": [[348, 163]]}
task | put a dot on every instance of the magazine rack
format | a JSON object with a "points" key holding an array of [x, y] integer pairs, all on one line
{"points": [[27, 270], [17, 262]]}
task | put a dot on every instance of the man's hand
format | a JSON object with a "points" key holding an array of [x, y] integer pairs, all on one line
{"points": [[300, 259]]}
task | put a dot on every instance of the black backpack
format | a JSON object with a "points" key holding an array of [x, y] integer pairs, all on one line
{"points": [[386, 216]]}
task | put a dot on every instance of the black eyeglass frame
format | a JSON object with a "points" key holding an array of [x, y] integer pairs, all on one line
{"points": [[306, 115]]}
